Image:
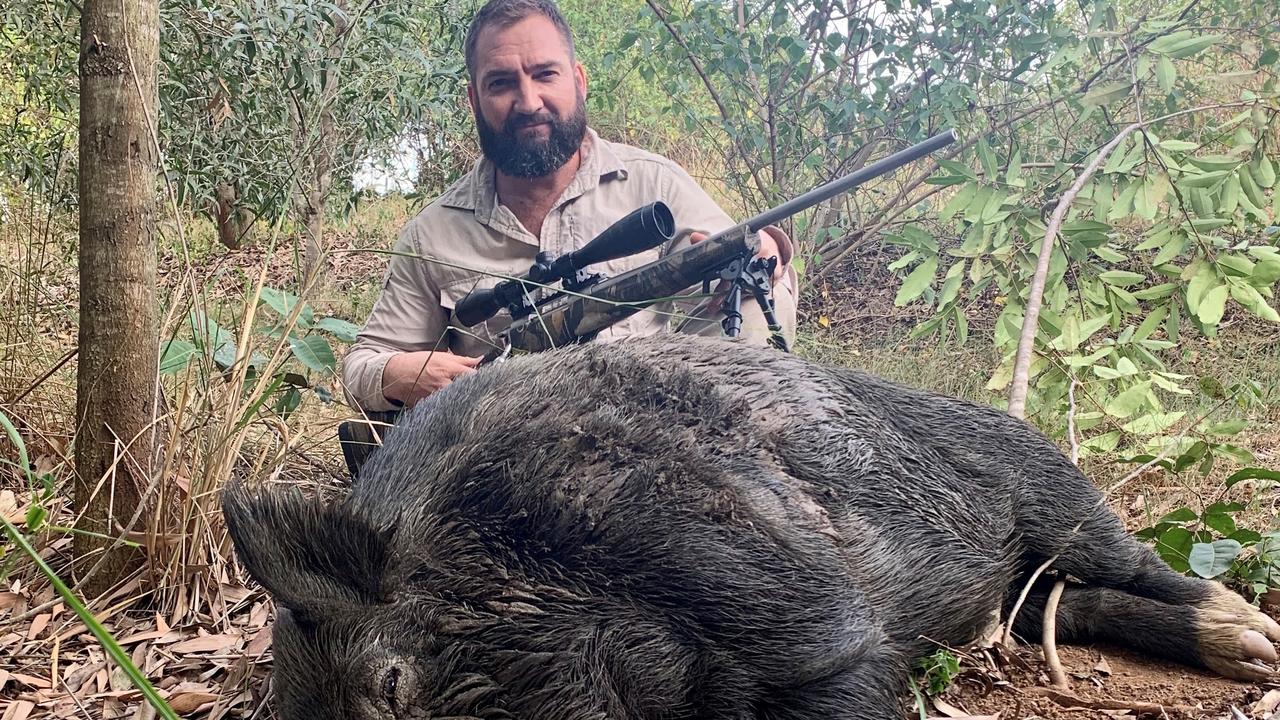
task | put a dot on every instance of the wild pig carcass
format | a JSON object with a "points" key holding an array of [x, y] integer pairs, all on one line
{"points": [[672, 528]]}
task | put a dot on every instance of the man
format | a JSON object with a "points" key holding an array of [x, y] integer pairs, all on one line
{"points": [[545, 182]]}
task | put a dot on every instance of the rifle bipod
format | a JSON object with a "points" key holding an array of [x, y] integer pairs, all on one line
{"points": [[752, 275]]}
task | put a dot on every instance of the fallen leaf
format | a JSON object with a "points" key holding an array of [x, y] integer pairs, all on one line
{"points": [[951, 711], [9, 507], [38, 624], [1267, 704], [31, 680], [260, 642], [1103, 666], [208, 643], [190, 701], [19, 710]]}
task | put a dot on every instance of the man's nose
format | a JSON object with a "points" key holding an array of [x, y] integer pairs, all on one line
{"points": [[528, 100]]}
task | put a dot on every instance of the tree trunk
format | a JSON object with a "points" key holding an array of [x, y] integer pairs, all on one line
{"points": [[118, 346], [317, 153], [234, 221]]}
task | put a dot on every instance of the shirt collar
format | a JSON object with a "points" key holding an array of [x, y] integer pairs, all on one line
{"points": [[476, 190]]}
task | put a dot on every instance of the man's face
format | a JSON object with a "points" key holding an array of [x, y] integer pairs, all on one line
{"points": [[528, 97]]}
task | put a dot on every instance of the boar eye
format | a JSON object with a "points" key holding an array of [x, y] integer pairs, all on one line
{"points": [[390, 684]]}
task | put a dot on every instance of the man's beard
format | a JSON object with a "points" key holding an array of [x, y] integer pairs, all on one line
{"points": [[536, 156]]}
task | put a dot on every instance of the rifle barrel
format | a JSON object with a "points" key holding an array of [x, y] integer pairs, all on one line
{"points": [[848, 182]]}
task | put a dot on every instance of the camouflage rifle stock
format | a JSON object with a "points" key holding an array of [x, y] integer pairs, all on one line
{"points": [[577, 318]]}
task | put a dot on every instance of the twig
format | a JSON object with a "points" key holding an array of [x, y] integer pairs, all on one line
{"points": [[1022, 597], [1049, 636], [47, 374], [711, 89], [1071, 422]]}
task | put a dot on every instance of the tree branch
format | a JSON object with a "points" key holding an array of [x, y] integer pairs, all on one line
{"points": [[715, 96]]}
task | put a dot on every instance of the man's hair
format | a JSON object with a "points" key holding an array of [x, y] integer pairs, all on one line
{"points": [[505, 13]]}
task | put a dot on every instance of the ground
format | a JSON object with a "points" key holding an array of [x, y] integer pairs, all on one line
{"points": [[204, 637]]}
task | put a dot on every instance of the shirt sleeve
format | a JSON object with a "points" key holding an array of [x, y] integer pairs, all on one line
{"points": [[407, 317]]}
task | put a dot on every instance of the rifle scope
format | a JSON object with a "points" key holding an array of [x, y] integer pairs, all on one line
{"points": [[643, 229]]}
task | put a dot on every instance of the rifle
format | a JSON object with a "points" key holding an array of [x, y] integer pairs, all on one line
{"points": [[589, 303]]}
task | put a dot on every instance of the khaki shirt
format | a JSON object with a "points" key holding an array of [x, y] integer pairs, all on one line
{"points": [[466, 239]]}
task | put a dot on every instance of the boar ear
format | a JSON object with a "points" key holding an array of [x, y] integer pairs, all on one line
{"points": [[308, 555]]}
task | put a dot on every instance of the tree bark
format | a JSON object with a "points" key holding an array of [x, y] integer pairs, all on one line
{"points": [[317, 152], [116, 379], [234, 221]]}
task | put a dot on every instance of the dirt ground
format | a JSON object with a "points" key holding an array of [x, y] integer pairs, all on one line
{"points": [[1108, 682]]}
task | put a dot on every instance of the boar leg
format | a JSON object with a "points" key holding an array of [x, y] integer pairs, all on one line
{"points": [[1224, 636]]}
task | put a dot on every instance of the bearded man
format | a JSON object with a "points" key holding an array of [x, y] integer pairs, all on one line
{"points": [[546, 182]]}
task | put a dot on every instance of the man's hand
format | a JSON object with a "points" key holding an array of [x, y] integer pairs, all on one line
{"points": [[409, 377], [768, 249]]}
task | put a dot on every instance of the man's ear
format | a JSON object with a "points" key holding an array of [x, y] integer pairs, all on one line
{"points": [[581, 73], [308, 555], [473, 99]]}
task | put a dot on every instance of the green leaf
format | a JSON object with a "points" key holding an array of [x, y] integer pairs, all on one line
{"points": [[1170, 251], [1151, 323], [36, 515], [1174, 545], [1213, 305], [1205, 180], [176, 355], [284, 303], [1103, 443], [1153, 423], [1121, 278], [1106, 94], [341, 329], [958, 202], [1236, 265], [1264, 172], [314, 352], [1228, 427], [916, 282], [989, 165], [1253, 473], [1219, 521], [1155, 292], [1166, 75], [1182, 515], [1209, 560], [1176, 47], [1191, 457], [1203, 279], [1130, 401]]}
